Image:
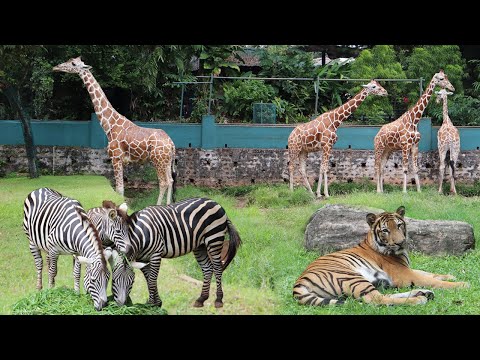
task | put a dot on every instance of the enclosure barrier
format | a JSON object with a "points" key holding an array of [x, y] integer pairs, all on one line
{"points": [[210, 135]]}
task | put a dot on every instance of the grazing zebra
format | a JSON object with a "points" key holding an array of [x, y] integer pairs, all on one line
{"points": [[59, 225], [113, 236], [157, 232]]}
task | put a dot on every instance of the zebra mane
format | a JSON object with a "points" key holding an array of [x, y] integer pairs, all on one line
{"points": [[92, 233]]}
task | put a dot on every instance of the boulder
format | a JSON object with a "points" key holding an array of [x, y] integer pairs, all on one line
{"points": [[336, 227]]}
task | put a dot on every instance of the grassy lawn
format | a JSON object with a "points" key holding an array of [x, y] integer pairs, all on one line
{"points": [[271, 222]]}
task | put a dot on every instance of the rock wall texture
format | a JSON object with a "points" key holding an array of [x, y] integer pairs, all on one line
{"points": [[234, 166]]}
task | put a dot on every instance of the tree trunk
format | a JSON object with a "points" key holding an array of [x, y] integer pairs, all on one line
{"points": [[13, 97]]}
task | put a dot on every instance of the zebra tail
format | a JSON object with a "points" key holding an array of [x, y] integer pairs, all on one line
{"points": [[233, 244], [306, 297]]}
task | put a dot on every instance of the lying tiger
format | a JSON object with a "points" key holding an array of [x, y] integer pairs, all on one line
{"points": [[379, 260]]}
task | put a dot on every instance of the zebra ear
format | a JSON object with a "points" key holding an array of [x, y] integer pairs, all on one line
{"points": [[112, 213], [137, 265], [84, 260]]}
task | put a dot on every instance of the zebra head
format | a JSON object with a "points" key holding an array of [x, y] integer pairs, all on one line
{"points": [[123, 275], [111, 225], [96, 280]]}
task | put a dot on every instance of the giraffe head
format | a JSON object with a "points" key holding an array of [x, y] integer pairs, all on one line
{"points": [[442, 95], [73, 66], [374, 88], [441, 79]]}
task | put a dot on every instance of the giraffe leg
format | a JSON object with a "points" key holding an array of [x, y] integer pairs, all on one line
{"points": [[383, 164], [405, 151], [292, 158], [452, 178], [441, 155], [118, 173], [414, 152], [378, 155], [303, 170], [164, 183], [324, 169]]}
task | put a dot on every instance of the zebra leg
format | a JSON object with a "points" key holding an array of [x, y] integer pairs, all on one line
{"points": [[151, 275], [77, 268], [214, 248], [203, 260], [37, 256], [52, 258]]}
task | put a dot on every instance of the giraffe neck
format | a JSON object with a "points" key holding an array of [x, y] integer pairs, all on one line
{"points": [[446, 118], [415, 113], [345, 110], [99, 100]]}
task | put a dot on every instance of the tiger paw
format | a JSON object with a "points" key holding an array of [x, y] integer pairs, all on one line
{"points": [[428, 294]]}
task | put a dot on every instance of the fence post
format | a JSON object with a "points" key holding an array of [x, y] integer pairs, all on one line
{"points": [[316, 86], [210, 96], [98, 139], [209, 132]]}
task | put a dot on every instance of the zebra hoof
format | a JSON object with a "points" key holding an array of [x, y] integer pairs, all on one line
{"points": [[218, 304], [198, 304]]}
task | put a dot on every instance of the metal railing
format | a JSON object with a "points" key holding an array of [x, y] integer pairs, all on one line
{"points": [[316, 82]]}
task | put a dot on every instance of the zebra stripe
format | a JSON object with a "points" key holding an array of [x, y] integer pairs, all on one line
{"points": [[194, 225], [59, 225]]}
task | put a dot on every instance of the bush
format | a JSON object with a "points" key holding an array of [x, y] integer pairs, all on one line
{"points": [[240, 96]]}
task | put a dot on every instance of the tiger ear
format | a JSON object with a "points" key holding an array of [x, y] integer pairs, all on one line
{"points": [[401, 211], [371, 219]]}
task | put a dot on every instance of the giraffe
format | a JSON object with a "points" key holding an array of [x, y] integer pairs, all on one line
{"points": [[127, 142], [402, 134], [448, 143], [320, 134]]}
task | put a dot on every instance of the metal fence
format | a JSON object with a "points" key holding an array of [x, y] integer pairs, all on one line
{"points": [[315, 82]]}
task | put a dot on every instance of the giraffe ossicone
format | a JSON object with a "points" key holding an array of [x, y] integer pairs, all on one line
{"points": [[402, 134], [319, 134], [127, 142], [448, 140]]}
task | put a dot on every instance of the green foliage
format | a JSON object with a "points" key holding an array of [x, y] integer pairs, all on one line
{"points": [[333, 93], [289, 61], [63, 301], [380, 62], [427, 60], [463, 111], [241, 94], [215, 58]]}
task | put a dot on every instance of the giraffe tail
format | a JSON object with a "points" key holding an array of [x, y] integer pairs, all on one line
{"points": [[174, 185], [306, 297], [450, 162]]}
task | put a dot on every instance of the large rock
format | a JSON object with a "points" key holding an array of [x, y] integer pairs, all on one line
{"points": [[337, 227]]}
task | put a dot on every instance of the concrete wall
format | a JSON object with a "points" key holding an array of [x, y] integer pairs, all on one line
{"points": [[233, 166]]}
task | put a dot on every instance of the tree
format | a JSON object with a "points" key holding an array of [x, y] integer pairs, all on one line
{"points": [[380, 62]]}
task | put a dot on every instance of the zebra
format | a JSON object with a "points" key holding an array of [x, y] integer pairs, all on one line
{"points": [[195, 225], [59, 225], [114, 236]]}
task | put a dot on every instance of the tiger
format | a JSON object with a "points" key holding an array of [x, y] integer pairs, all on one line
{"points": [[380, 260]]}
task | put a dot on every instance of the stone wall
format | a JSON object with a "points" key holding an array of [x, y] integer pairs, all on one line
{"points": [[232, 166]]}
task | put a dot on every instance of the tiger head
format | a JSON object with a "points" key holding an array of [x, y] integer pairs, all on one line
{"points": [[388, 232]]}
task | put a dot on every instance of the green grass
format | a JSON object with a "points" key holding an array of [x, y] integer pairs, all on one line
{"points": [[271, 222], [64, 301]]}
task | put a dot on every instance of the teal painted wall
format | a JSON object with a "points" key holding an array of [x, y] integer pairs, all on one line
{"points": [[209, 135]]}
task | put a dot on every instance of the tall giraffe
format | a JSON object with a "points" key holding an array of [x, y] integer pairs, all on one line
{"points": [[320, 134], [127, 142], [402, 134], [448, 143]]}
